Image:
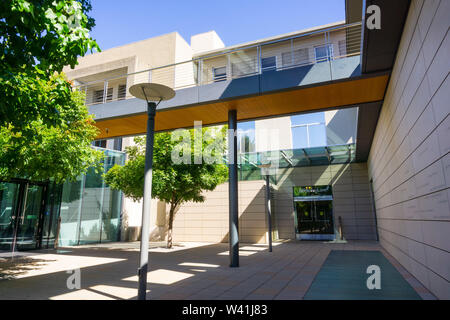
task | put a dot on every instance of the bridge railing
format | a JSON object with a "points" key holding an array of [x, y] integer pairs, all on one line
{"points": [[326, 45]]}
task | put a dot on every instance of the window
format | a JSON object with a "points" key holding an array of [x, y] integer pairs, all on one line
{"points": [[324, 53], [99, 143], [268, 64], [308, 130], [122, 92], [98, 95], [220, 74], [118, 144], [297, 57], [246, 137]]}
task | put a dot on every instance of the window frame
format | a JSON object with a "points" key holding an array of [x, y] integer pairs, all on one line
{"points": [[308, 126], [221, 76], [271, 68], [330, 53]]}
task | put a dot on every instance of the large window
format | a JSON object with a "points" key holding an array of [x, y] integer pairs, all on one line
{"points": [[308, 130], [324, 53]]}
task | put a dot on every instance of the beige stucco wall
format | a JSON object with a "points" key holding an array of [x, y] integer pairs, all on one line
{"points": [[273, 134], [341, 126], [206, 41], [148, 53], [409, 160], [134, 57], [208, 221], [184, 72], [276, 133]]}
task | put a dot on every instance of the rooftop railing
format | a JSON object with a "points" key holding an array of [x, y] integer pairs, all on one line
{"points": [[321, 46]]}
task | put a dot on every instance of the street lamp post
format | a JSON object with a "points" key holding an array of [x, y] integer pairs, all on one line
{"points": [[267, 171], [269, 212], [153, 93]]}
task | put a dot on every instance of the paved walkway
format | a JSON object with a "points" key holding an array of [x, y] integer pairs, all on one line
{"points": [[189, 271]]}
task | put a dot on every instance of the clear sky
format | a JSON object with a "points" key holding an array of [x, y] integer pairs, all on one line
{"points": [[122, 22]]}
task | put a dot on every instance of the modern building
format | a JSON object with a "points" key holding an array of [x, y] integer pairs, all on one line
{"points": [[355, 117], [208, 62]]}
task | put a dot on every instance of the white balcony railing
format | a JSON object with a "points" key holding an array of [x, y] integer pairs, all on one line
{"points": [[326, 45]]}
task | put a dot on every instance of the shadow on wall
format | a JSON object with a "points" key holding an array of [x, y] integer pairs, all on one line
{"points": [[252, 220], [209, 221], [341, 126]]}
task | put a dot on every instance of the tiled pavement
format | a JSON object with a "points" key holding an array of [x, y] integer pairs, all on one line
{"points": [[192, 271]]}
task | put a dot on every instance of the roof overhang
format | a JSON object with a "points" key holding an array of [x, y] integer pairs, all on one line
{"points": [[379, 46]]}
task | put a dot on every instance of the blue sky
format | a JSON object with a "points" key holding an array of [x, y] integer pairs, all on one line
{"points": [[122, 22]]}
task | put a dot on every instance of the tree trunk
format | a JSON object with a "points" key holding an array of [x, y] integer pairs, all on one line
{"points": [[169, 231]]}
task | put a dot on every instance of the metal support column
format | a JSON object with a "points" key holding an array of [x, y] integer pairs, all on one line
{"points": [[269, 212], [145, 229], [233, 189]]}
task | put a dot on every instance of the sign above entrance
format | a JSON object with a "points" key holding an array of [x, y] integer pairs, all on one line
{"points": [[312, 191]]}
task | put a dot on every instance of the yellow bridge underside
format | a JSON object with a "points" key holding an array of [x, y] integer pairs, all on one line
{"points": [[322, 97]]}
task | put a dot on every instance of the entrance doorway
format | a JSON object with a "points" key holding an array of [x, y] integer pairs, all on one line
{"points": [[25, 214], [27, 220], [313, 207]]}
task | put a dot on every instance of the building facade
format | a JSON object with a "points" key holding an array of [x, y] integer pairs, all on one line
{"points": [[213, 63], [409, 161], [356, 119]]}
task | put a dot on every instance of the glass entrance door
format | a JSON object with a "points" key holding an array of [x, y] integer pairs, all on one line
{"points": [[28, 220], [314, 219], [323, 217], [8, 199], [29, 213]]}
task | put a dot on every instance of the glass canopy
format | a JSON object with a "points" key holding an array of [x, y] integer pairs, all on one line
{"points": [[302, 157]]}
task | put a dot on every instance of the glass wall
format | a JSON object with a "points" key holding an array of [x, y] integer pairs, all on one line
{"points": [[90, 210], [8, 204], [51, 214], [28, 214]]}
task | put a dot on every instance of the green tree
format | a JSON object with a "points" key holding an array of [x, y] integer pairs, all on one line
{"points": [[172, 183], [40, 152], [45, 129]]}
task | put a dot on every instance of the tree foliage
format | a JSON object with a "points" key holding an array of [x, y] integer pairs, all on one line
{"points": [[38, 151], [171, 183], [44, 34], [45, 129]]}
